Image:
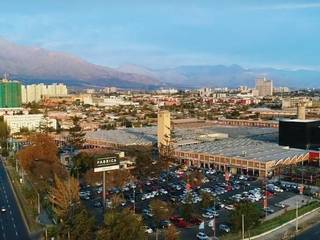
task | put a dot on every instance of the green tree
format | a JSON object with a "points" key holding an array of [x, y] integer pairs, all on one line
{"points": [[80, 225], [207, 199], [4, 134], [145, 166], [76, 135], [161, 211], [187, 209], [82, 162], [251, 212], [123, 225]]}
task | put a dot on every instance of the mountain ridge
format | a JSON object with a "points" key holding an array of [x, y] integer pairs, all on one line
{"points": [[33, 65]]}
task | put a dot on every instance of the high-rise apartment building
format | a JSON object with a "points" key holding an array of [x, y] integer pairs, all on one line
{"points": [[264, 87], [35, 92], [164, 128], [10, 94]]}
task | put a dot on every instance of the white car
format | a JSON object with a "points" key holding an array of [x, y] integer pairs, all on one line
{"points": [[224, 227], [148, 230], [208, 215], [3, 210], [229, 207], [202, 236]]}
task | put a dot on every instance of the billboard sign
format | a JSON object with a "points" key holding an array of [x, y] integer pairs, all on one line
{"points": [[106, 164]]}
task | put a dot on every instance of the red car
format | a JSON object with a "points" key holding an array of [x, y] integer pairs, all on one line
{"points": [[195, 221], [181, 223], [178, 221]]}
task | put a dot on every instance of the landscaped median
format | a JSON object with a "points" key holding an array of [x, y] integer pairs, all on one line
{"points": [[274, 223], [28, 206]]}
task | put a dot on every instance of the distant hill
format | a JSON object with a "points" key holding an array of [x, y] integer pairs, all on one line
{"points": [[39, 65], [32, 65], [228, 76]]}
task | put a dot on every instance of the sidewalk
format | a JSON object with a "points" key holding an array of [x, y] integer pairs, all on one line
{"points": [[288, 228]]}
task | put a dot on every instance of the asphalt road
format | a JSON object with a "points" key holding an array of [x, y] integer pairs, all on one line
{"points": [[12, 226], [310, 234]]}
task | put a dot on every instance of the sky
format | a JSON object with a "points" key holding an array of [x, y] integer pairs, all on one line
{"points": [[169, 33]]}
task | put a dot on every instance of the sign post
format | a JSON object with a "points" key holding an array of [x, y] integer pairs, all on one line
{"points": [[103, 165]]}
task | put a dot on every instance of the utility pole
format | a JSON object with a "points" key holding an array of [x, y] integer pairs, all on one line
{"points": [[134, 200], [39, 204], [104, 190], [242, 218], [297, 215]]}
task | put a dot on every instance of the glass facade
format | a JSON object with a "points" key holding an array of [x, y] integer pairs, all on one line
{"points": [[10, 94]]}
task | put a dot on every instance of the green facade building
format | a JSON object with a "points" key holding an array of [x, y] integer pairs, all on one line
{"points": [[10, 94]]}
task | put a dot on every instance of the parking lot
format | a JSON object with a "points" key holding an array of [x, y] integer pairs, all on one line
{"points": [[172, 187]]}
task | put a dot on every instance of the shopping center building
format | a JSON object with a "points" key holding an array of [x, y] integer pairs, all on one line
{"points": [[248, 148]]}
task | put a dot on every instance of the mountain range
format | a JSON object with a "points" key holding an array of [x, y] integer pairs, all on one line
{"points": [[33, 65]]}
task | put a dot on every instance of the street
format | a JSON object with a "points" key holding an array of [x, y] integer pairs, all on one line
{"points": [[12, 225], [312, 233]]}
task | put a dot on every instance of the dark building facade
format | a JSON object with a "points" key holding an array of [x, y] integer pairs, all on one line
{"points": [[303, 134]]}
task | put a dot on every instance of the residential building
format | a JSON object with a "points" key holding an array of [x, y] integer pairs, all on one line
{"points": [[36, 92], [31, 122], [10, 94], [264, 87]]}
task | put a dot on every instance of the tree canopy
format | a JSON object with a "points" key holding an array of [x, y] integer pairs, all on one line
{"points": [[39, 159], [251, 212], [122, 225], [64, 195]]}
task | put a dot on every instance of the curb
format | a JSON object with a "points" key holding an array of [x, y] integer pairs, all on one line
{"points": [[281, 226], [17, 200]]}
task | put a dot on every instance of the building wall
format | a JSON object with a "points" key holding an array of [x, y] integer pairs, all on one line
{"points": [[223, 163], [31, 122], [164, 128], [10, 94], [264, 87], [35, 92]]}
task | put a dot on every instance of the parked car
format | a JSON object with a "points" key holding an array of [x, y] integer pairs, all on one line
{"points": [[224, 227], [202, 236]]}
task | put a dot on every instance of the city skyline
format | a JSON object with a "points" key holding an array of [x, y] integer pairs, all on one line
{"points": [[167, 34]]}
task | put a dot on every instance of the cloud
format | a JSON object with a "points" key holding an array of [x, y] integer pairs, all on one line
{"points": [[291, 6]]}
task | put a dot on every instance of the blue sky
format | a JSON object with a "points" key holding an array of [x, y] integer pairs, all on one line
{"points": [[168, 33]]}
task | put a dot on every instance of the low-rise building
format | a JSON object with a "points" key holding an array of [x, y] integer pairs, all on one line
{"points": [[31, 122]]}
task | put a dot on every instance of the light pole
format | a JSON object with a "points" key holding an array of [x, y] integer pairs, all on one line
{"points": [[297, 215], [242, 220], [39, 205], [134, 200], [104, 190]]}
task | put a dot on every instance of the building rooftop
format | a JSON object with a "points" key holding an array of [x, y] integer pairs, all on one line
{"points": [[299, 120], [245, 148], [250, 143]]}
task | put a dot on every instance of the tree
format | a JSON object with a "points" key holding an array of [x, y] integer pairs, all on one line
{"points": [[45, 123], [64, 196], [251, 212], [80, 225], [76, 135], [4, 130], [82, 162], [39, 159], [171, 233], [187, 209], [145, 167], [195, 178], [114, 178], [161, 211], [4, 134], [123, 225], [207, 199]]}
